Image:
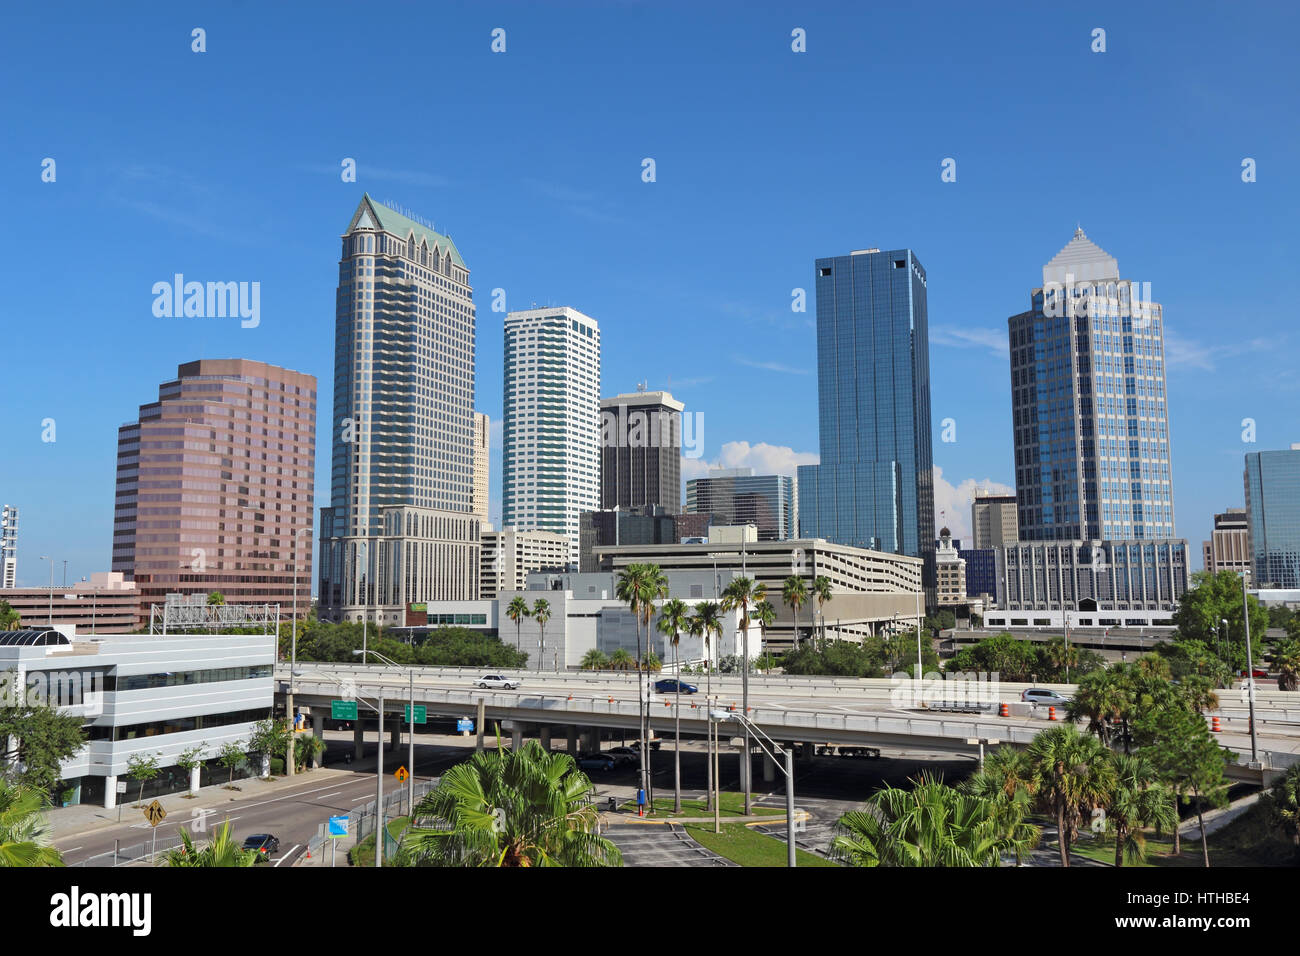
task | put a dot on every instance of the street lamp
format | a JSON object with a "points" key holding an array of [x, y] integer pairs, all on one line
{"points": [[410, 779], [46, 557], [293, 657], [1250, 669], [788, 770]]}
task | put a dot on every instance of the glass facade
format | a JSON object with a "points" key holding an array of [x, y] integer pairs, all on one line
{"points": [[1091, 426], [738, 496], [874, 486], [1273, 513]]}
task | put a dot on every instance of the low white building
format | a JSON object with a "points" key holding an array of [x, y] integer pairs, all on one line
{"points": [[141, 695]]}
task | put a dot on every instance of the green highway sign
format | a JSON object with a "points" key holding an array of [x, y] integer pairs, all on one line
{"points": [[421, 714], [343, 709]]}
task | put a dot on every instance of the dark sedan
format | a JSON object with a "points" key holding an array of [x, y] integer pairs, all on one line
{"points": [[670, 685], [263, 844]]}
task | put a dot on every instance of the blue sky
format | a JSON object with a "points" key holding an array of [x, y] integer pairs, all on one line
{"points": [[224, 165]]}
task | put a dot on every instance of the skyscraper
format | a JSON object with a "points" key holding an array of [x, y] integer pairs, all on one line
{"points": [[550, 432], [1273, 511], [993, 520], [215, 483], [1088, 405], [8, 547], [482, 451], [641, 451], [1229, 546], [874, 486], [738, 496], [401, 526]]}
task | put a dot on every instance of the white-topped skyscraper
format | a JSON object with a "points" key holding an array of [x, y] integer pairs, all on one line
{"points": [[550, 430], [401, 526], [1088, 405], [9, 547]]}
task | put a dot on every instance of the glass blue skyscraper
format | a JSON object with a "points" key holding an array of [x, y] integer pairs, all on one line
{"points": [[1273, 517], [874, 486]]}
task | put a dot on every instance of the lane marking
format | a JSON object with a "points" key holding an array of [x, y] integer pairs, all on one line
{"points": [[287, 855]]}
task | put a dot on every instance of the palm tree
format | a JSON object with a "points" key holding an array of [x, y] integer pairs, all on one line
{"points": [[1138, 801], [9, 618], [930, 825], [706, 622], [216, 597], [518, 608], [621, 660], [1105, 699], [675, 617], [523, 807], [541, 614], [1286, 658], [1070, 772], [640, 585], [739, 595], [821, 590], [794, 593], [222, 850], [24, 834], [765, 614], [595, 660]]}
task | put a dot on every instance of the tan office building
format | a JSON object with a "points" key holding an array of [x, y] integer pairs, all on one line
{"points": [[993, 521], [1229, 546]]}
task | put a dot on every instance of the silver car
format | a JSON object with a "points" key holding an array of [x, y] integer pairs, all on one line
{"points": [[1041, 695], [496, 680]]}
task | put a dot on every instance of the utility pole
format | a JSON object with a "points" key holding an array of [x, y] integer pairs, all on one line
{"points": [[1250, 671], [379, 788]]}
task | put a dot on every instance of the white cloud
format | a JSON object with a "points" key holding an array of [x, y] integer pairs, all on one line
{"points": [[952, 503], [992, 339], [772, 366], [765, 459]]}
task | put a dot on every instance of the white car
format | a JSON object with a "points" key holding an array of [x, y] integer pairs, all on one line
{"points": [[1041, 695], [496, 680]]}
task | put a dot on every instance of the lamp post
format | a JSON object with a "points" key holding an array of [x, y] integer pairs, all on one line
{"points": [[293, 659], [410, 759], [46, 557], [1250, 669], [1224, 641], [788, 770]]}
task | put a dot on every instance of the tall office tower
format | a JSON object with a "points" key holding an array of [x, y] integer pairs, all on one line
{"points": [[993, 520], [641, 450], [550, 431], [1229, 546], [481, 458], [738, 496], [215, 484], [8, 547], [400, 527], [1273, 511], [874, 487], [1088, 405]]}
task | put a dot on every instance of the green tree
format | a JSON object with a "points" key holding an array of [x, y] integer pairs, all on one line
{"points": [[740, 595], [1105, 699], [230, 756], [512, 808], [541, 614], [764, 614], [516, 611], [24, 835], [1007, 778], [270, 737], [1282, 804], [1138, 800], [675, 617], [191, 758], [821, 590], [1013, 660], [1213, 598], [794, 594], [595, 660], [930, 825], [216, 597], [621, 660], [651, 663], [1286, 661], [221, 851], [1070, 773], [38, 738], [142, 767], [462, 647], [639, 586], [9, 619]]}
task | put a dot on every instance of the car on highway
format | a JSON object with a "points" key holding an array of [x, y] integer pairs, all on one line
{"points": [[263, 844], [602, 762], [1257, 672], [496, 680], [625, 756], [636, 745], [871, 753], [1041, 695], [670, 685]]}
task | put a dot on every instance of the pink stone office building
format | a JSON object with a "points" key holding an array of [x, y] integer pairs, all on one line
{"points": [[215, 484]]}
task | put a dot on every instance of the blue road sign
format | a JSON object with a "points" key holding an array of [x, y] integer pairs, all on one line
{"points": [[464, 725], [338, 826]]}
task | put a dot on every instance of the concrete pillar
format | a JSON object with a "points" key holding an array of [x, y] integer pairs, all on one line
{"points": [[516, 735], [395, 735], [544, 736], [318, 731], [573, 739], [809, 751], [110, 792], [358, 739], [194, 779], [769, 769], [482, 719]]}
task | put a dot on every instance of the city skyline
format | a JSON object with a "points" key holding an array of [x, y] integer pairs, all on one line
{"points": [[149, 208]]}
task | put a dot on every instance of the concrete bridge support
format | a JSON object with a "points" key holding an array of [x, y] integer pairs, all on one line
{"points": [[318, 731], [358, 739], [573, 739], [544, 736]]}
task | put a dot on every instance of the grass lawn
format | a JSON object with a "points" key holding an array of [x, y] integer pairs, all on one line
{"points": [[363, 854], [730, 805], [748, 848]]}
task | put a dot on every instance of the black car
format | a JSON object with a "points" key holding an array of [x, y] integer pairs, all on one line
{"points": [[263, 844]]}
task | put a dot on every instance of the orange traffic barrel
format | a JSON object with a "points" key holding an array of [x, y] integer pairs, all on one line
{"points": [[1214, 725], [1051, 713], [1004, 710]]}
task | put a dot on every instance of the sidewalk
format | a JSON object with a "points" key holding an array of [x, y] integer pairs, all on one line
{"points": [[1216, 819]]}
